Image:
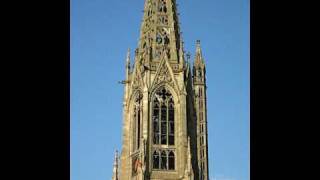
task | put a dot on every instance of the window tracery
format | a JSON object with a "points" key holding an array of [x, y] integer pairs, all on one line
{"points": [[164, 160], [163, 110], [156, 158], [163, 118], [163, 20], [137, 120], [171, 162], [162, 6]]}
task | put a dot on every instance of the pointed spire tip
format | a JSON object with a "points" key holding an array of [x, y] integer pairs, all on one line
{"points": [[198, 44], [128, 59]]}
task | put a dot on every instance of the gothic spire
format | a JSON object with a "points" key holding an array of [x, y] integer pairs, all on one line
{"points": [[128, 64], [115, 175], [189, 169], [128, 58], [199, 68], [160, 29], [199, 62]]}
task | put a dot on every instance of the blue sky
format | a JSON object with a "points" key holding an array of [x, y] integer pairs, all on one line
{"points": [[101, 33]]}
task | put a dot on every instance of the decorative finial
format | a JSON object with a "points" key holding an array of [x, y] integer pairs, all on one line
{"points": [[128, 58], [115, 175], [198, 46]]}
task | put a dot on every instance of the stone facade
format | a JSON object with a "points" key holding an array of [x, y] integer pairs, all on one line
{"points": [[164, 104]]}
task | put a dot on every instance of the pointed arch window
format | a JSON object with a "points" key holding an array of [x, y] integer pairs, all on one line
{"points": [[156, 158], [137, 121], [163, 130], [163, 161], [171, 160], [163, 118]]}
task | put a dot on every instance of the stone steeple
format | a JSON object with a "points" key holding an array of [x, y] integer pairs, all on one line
{"points": [[161, 112], [199, 61], [160, 30], [199, 67]]}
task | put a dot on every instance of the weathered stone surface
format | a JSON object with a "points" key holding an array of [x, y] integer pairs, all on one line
{"points": [[161, 75]]}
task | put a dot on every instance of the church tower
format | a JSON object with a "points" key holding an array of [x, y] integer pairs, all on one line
{"points": [[164, 104]]}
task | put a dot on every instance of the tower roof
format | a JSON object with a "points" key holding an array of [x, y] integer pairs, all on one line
{"points": [[198, 62], [160, 28]]}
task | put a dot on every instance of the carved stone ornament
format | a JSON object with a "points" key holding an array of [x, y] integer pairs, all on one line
{"points": [[164, 75], [137, 80]]}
